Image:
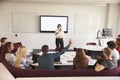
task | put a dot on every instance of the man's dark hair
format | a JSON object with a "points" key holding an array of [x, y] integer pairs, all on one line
{"points": [[59, 25], [45, 48], [118, 41], [3, 39], [111, 44], [119, 35]]}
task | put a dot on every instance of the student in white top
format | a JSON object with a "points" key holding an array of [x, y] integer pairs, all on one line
{"points": [[21, 60], [9, 56], [59, 36], [112, 46]]}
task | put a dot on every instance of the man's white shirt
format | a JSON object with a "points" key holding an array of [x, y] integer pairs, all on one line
{"points": [[59, 34]]}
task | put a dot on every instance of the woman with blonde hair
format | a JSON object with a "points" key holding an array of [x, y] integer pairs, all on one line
{"points": [[21, 60], [80, 61]]}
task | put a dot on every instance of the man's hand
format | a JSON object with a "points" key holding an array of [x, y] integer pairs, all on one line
{"points": [[70, 42], [99, 67], [57, 32]]}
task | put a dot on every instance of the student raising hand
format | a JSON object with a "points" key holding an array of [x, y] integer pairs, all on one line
{"points": [[70, 42]]}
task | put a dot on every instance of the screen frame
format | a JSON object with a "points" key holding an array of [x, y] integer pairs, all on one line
{"points": [[42, 31]]}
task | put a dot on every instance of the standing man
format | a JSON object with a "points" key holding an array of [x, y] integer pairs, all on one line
{"points": [[59, 37]]}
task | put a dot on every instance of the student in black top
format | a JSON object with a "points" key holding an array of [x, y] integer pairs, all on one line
{"points": [[3, 41]]}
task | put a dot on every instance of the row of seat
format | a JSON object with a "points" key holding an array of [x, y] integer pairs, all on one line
{"points": [[17, 73]]}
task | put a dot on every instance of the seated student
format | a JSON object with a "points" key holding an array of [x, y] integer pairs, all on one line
{"points": [[108, 62], [7, 54], [21, 60], [119, 36], [118, 44], [80, 61], [46, 61], [112, 46], [3, 40]]}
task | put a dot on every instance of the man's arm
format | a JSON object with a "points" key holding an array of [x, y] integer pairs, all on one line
{"points": [[62, 51], [99, 67], [56, 32], [55, 55]]}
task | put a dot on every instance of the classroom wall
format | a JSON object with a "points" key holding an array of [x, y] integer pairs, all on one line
{"points": [[113, 16], [1, 26], [36, 40], [118, 26]]}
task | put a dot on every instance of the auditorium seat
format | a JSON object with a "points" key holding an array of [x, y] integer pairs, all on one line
{"points": [[25, 73], [91, 43], [17, 73], [16, 45]]}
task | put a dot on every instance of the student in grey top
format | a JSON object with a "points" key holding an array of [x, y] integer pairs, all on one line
{"points": [[108, 63], [3, 41], [46, 61]]}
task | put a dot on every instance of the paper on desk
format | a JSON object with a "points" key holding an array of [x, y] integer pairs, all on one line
{"points": [[29, 51], [63, 60], [91, 61]]}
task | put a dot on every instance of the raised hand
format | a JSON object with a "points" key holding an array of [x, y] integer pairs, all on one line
{"points": [[70, 42]]}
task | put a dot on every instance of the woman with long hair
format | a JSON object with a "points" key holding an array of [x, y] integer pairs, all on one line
{"points": [[7, 53], [80, 61], [21, 60]]}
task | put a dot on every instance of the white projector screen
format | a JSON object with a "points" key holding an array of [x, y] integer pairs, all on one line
{"points": [[49, 23]]}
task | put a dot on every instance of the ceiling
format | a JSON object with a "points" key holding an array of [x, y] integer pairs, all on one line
{"points": [[67, 1]]}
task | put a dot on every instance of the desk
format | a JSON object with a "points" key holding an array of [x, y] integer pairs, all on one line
{"points": [[93, 48], [5, 74], [67, 60]]}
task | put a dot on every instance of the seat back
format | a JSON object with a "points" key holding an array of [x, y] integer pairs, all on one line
{"points": [[91, 43], [0, 49], [16, 45], [17, 73], [91, 72]]}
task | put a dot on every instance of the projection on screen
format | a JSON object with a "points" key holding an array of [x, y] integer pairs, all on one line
{"points": [[49, 23]]}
